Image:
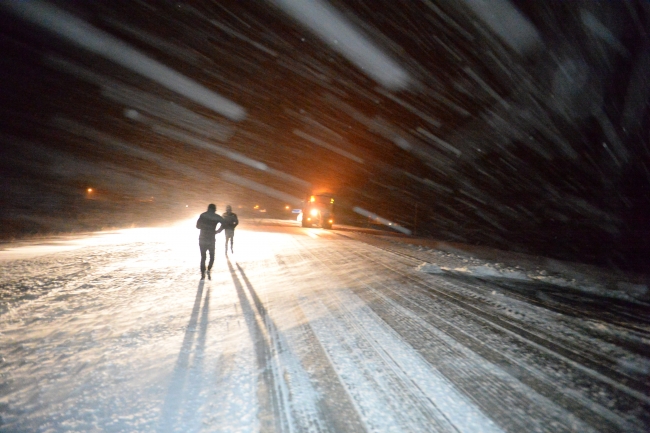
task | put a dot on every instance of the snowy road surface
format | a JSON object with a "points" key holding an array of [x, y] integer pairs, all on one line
{"points": [[308, 330]]}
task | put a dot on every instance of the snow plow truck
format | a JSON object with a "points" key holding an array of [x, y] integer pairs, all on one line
{"points": [[318, 211]]}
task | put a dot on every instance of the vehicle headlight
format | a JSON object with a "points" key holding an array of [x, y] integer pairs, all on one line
{"points": [[314, 212]]}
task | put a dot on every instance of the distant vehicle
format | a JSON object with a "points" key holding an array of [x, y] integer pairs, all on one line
{"points": [[318, 210]]}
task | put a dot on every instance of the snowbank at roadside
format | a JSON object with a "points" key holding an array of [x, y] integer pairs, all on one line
{"points": [[491, 264], [620, 290]]}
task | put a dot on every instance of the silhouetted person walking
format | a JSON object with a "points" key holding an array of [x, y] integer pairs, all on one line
{"points": [[207, 223], [229, 223]]}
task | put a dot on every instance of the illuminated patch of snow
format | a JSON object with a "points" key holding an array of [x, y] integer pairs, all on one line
{"points": [[430, 268]]}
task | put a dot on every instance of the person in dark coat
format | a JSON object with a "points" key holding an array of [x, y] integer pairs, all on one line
{"points": [[207, 223], [230, 221]]}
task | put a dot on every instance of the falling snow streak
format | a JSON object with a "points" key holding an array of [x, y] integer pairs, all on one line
{"points": [[521, 125], [94, 40]]}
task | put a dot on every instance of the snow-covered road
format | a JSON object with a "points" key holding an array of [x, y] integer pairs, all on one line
{"points": [[308, 330]]}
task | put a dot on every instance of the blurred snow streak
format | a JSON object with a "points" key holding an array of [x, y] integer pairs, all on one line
{"points": [[602, 32], [255, 186], [86, 36], [234, 156], [342, 36], [100, 138], [521, 125], [327, 146], [507, 22], [376, 218]]}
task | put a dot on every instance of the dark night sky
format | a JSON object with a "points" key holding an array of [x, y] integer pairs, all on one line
{"points": [[521, 127]]}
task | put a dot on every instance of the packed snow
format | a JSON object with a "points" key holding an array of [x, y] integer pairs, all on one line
{"points": [[299, 330]]}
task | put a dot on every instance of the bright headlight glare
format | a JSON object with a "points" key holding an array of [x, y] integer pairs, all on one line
{"points": [[314, 212]]}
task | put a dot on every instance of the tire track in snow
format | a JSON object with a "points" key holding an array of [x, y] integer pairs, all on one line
{"points": [[596, 365], [633, 323], [393, 387], [333, 403], [599, 416], [490, 384], [595, 362], [611, 315], [301, 400]]}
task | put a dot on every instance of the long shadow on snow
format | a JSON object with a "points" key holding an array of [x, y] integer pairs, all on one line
{"points": [[270, 411], [176, 393]]}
